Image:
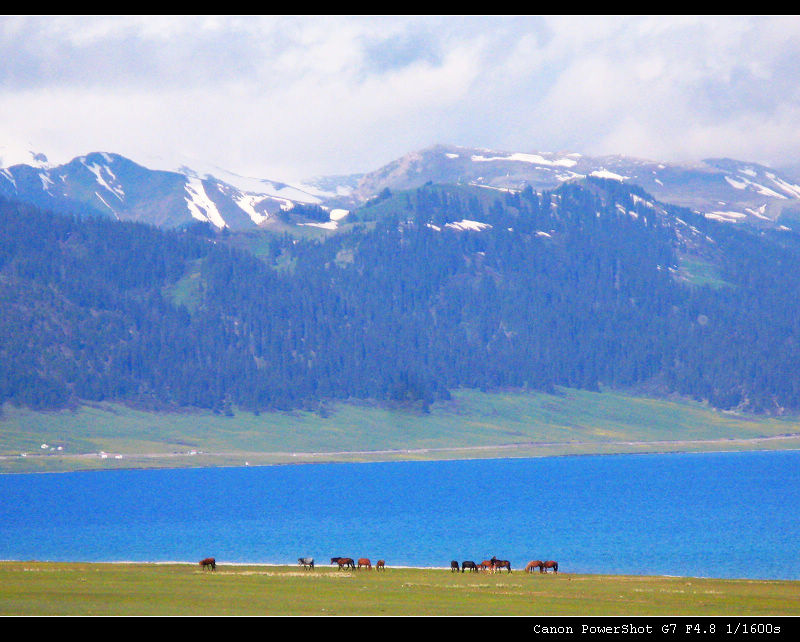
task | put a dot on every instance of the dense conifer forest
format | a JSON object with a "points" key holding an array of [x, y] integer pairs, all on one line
{"points": [[592, 285]]}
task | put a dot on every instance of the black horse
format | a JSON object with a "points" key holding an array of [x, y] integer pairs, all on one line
{"points": [[469, 564], [454, 566]]}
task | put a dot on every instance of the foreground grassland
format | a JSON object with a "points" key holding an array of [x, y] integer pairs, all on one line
{"points": [[34, 588], [471, 425]]}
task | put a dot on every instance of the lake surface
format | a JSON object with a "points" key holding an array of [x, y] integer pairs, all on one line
{"points": [[728, 515]]}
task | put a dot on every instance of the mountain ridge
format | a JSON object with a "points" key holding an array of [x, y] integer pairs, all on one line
{"points": [[720, 188]]}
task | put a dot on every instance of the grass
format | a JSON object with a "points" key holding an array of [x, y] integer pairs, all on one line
{"points": [[44, 588], [697, 271], [471, 425]]}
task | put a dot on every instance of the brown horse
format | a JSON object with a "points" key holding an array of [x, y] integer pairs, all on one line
{"points": [[363, 561], [208, 562], [485, 565], [499, 564], [343, 562], [535, 564], [380, 565], [550, 564]]}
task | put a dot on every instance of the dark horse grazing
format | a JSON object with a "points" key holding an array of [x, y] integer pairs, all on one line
{"points": [[535, 564], [344, 562], [306, 562], [380, 566], [496, 563], [550, 564], [469, 564], [209, 562], [454, 567]]}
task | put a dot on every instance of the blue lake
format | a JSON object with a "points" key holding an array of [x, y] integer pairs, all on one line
{"points": [[733, 515]]}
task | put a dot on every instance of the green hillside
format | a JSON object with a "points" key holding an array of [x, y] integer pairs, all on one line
{"points": [[472, 424]]}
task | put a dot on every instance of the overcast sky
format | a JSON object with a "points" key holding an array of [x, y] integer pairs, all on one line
{"points": [[293, 97]]}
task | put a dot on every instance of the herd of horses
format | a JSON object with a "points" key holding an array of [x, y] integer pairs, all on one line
{"points": [[363, 562], [495, 565], [492, 565]]}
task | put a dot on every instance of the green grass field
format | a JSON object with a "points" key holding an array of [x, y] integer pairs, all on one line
{"points": [[471, 425], [36, 588]]}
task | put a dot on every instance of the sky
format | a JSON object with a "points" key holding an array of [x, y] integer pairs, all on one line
{"points": [[292, 97]]}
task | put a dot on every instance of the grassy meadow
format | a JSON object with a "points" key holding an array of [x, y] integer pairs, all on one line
{"points": [[37, 588], [471, 425]]}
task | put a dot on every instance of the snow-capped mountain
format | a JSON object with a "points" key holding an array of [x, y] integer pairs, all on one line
{"points": [[107, 184], [723, 189], [171, 192]]}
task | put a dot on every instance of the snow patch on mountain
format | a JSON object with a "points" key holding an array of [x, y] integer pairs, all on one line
{"points": [[604, 173], [793, 190], [534, 159], [467, 225], [200, 205], [47, 183], [247, 203], [727, 217], [97, 170], [327, 225], [113, 211]]}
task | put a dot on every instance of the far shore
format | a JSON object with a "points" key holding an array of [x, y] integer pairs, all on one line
{"points": [[471, 425], [69, 462]]}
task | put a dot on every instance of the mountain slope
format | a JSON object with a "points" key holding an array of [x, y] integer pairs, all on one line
{"points": [[174, 192], [421, 292], [723, 189], [111, 185]]}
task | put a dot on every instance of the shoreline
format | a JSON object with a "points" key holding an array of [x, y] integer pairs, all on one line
{"points": [[283, 458], [395, 566]]}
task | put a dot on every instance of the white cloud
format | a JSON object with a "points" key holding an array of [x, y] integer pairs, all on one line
{"points": [[289, 97]]}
